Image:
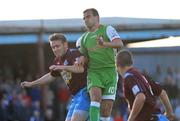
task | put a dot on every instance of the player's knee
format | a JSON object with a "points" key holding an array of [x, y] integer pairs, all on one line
{"points": [[96, 98], [95, 94]]}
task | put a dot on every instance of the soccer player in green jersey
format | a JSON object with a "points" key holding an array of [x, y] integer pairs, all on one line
{"points": [[97, 46]]}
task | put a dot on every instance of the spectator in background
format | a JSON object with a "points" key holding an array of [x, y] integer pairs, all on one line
{"points": [[158, 74], [141, 92], [178, 77], [118, 116], [170, 71], [171, 87], [49, 114], [177, 111], [36, 116]]}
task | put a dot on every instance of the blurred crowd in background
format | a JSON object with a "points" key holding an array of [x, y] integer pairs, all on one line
{"points": [[24, 104]]}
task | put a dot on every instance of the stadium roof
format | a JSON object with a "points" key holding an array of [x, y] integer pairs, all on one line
{"points": [[133, 29]]}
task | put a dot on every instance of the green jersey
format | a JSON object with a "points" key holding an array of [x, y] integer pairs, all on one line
{"points": [[99, 57]]}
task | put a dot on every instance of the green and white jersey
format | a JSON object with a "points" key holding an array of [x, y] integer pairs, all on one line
{"points": [[99, 57]]}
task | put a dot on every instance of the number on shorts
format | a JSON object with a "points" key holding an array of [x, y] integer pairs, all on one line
{"points": [[111, 90]]}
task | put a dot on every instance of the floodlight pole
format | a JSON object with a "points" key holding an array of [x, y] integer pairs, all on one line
{"points": [[40, 47]]}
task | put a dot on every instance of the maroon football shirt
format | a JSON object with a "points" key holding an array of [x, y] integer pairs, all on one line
{"points": [[135, 83], [78, 80]]}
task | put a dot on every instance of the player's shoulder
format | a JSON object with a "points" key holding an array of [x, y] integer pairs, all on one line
{"points": [[109, 28], [74, 52], [78, 42], [80, 39], [129, 77], [83, 35]]}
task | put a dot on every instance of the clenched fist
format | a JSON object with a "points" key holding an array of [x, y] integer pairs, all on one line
{"points": [[26, 84]]}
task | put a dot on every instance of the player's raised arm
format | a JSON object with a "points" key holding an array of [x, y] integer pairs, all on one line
{"points": [[116, 43], [113, 36]]}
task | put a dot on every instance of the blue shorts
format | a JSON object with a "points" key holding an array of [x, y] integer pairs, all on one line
{"points": [[162, 117], [79, 102]]}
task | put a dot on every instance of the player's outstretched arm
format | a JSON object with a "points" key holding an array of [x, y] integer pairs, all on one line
{"points": [[168, 108], [43, 80], [70, 68]]}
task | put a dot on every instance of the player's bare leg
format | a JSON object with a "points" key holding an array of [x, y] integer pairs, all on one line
{"points": [[106, 109], [80, 116], [95, 96]]}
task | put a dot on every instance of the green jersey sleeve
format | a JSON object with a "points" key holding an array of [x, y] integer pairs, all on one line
{"points": [[82, 48]]}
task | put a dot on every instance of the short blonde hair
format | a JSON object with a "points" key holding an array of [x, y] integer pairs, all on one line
{"points": [[57, 36]]}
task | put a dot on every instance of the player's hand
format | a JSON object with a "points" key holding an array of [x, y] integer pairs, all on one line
{"points": [[26, 84], [58, 68], [80, 61], [52, 67], [100, 41]]}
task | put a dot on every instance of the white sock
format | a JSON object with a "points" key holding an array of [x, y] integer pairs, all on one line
{"points": [[95, 104], [105, 119]]}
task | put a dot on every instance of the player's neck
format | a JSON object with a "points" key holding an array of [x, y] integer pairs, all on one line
{"points": [[125, 69], [94, 28]]}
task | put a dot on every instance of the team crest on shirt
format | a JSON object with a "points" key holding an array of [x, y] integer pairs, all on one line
{"points": [[77, 59], [65, 62], [135, 89], [113, 33]]}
